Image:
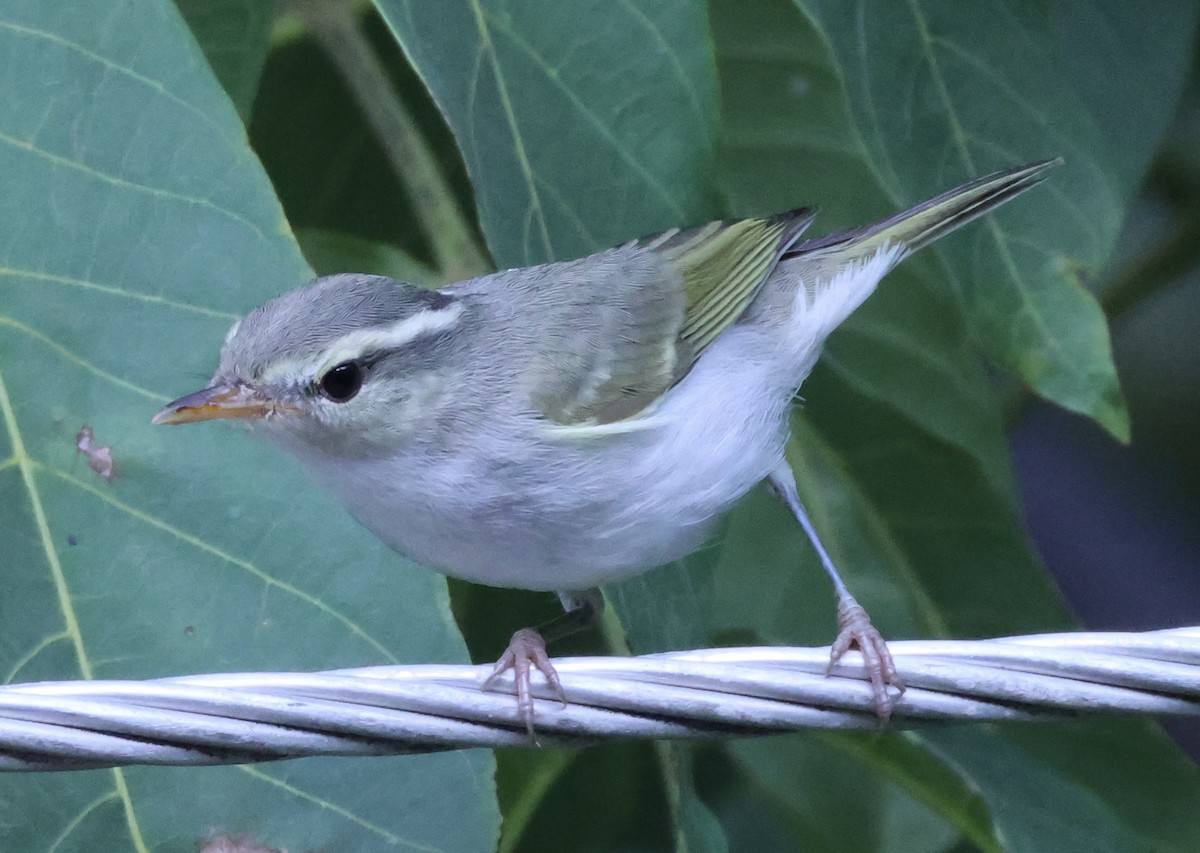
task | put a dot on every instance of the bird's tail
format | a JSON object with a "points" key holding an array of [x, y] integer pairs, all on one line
{"points": [[917, 227], [821, 281]]}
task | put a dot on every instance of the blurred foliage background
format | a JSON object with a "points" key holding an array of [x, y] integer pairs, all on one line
{"points": [[960, 445]]}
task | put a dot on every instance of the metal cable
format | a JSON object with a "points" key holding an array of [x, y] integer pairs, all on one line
{"points": [[385, 710]]}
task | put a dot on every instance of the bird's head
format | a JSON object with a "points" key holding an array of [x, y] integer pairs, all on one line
{"points": [[349, 365]]}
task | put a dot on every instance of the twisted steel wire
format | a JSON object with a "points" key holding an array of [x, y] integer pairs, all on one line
{"points": [[386, 710]]}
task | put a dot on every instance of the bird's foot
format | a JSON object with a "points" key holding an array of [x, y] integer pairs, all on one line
{"points": [[526, 648], [855, 629]]}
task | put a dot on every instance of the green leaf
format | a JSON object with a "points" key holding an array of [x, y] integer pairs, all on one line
{"points": [[941, 92], [606, 798], [523, 779], [134, 226], [697, 829], [897, 406], [235, 36], [833, 803], [661, 610], [1033, 807], [580, 128], [1132, 764], [907, 762], [787, 140], [901, 462], [332, 252]]}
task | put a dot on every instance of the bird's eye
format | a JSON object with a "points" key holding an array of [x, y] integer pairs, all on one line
{"points": [[342, 382]]}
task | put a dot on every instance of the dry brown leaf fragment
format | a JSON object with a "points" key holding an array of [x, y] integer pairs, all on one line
{"points": [[235, 844], [100, 457]]}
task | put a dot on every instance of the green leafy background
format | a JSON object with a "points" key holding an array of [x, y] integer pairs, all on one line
{"points": [[137, 222]]}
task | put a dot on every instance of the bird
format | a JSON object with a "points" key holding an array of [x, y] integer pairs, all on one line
{"points": [[566, 425]]}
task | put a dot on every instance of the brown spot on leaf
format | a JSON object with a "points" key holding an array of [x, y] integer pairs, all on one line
{"points": [[234, 844], [100, 457]]}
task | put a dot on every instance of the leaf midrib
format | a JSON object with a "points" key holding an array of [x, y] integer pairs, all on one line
{"points": [[998, 234], [25, 465], [535, 202], [246, 565]]}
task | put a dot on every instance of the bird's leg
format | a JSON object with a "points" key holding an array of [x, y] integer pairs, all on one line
{"points": [[854, 626], [528, 647]]}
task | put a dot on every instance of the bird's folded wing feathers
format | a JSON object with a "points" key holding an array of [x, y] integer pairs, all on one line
{"points": [[636, 319]]}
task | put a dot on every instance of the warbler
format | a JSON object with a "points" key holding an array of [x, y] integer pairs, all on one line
{"points": [[562, 426]]}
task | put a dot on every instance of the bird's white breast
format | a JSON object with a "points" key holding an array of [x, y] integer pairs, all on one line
{"points": [[549, 508]]}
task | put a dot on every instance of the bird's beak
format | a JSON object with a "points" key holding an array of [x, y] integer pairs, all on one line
{"points": [[220, 401]]}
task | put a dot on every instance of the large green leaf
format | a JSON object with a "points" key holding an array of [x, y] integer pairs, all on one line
{"points": [[901, 462], [135, 224], [942, 91], [1033, 807], [234, 35], [897, 410], [832, 803], [1138, 771], [786, 140], [581, 126]]}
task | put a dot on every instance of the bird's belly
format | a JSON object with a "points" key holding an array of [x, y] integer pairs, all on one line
{"points": [[569, 512], [618, 530], [553, 554], [615, 513]]}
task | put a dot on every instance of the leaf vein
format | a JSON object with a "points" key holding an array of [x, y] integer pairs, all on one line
{"points": [[42, 525], [80, 361], [154, 85], [71, 622], [601, 128], [672, 55], [340, 811], [79, 818], [111, 290], [113, 180], [246, 565], [24, 660], [535, 202], [571, 215]]}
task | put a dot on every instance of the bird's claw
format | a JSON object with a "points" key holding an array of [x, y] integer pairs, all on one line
{"points": [[856, 630], [527, 647]]}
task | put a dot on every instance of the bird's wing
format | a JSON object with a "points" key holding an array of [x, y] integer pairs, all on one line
{"points": [[630, 323]]}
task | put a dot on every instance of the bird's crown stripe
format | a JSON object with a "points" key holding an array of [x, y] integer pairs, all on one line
{"points": [[428, 321], [353, 345]]}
